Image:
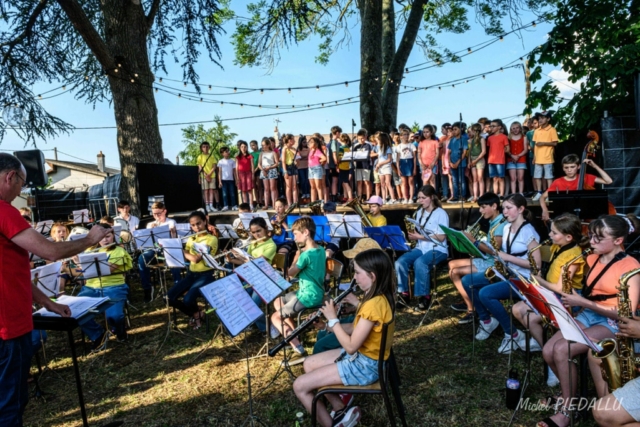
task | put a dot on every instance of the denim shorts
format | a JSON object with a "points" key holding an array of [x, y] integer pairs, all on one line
{"points": [[406, 167], [482, 264], [496, 171], [518, 166], [316, 172], [629, 398], [357, 369], [590, 318], [271, 174], [540, 170]]}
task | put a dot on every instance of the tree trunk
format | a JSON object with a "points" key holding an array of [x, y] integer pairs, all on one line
{"points": [[134, 105], [395, 70], [388, 36], [371, 65]]}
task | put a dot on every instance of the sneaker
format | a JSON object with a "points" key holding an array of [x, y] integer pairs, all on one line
{"points": [[348, 418], [235, 208], [521, 339], [552, 380], [510, 343], [467, 318], [536, 197], [460, 306], [453, 201], [406, 202], [148, 295], [425, 303], [224, 209], [213, 209], [299, 350], [470, 199], [485, 329], [274, 332], [533, 345], [296, 359]]}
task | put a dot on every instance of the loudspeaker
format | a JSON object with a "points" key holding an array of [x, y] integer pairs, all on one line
{"points": [[33, 162], [178, 184]]}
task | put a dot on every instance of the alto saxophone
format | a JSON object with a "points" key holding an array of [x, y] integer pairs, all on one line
{"points": [[411, 228], [498, 265], [619, 360], [567, 280], [532, 262]]}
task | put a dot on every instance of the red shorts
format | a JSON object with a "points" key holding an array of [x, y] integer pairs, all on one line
{"points": [[245, 181]]}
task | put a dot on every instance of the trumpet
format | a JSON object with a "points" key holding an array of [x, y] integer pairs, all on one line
{"points": [[277, 225], [474, 230], [242, 233]]}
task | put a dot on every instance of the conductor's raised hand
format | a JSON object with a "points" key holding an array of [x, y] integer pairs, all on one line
{"points": [[629, 328], [329, 310], [98, 233]]}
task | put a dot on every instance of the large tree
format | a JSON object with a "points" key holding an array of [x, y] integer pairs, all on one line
{"points": [[105, 50], [597, 43], [273, 25]]}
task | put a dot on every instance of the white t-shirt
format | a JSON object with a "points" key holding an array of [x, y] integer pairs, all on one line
{"points": [[170, 222], [519, 244], [405, 150], [227, 166], [133, 221], [438, 217]]}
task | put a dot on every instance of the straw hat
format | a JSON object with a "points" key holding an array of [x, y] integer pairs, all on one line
{"points": [[361, 246]]}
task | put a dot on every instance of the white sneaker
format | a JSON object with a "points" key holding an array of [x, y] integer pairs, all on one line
{"points": [[235, 208], [349, 419], [224, 209], [406, 202], [536, 197], [552, 380], [275, 333], [509, 343], [485, 329], [521, 339], [533, 345], [470, 199]]}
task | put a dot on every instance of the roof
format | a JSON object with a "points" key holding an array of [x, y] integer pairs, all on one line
{"points": [[82, 167]]}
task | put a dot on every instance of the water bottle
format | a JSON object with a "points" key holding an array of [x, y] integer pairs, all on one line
{"points": [[513, 390], [299, 419]]}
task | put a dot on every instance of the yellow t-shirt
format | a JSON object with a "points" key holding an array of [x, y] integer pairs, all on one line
{"points": [[555, 269], [266, 249], [289, 156], [210, 164], [119, 257], [377, 221], [376, 310], [544, 155], [207, 239], [344, 166]]}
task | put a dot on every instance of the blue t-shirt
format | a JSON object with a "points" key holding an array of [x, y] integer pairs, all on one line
{"points": [[454, 148]]}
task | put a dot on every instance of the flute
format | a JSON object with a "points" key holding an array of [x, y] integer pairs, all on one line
{"points": [[304, 325], [244, 245], [194, 235]]}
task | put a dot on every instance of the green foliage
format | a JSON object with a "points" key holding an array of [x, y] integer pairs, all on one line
{"points": [[217, 136], [415, 127], [597, 42]]}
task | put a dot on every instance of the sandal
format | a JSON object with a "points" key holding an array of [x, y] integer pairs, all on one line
{"points": [[564, 411], [550, 401]]}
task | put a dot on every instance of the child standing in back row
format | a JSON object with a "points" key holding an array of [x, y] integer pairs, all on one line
{"points": [[498, 145], [546, 139], [227, 179]]}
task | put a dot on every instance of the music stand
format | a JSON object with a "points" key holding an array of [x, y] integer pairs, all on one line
{"points": [[81, 216], [388, 237], [583, 203], [45, 278], [237, 311], [44, 227], [346, 226]]}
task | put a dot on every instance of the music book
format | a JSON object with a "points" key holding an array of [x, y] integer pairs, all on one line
{"points": [[148, 237], [388, 237], [44, 227], [348, 226], [233, 305], [347, 156], [46, 278], [264, 279], [183, 229], [79, 306], [360, 155], [227, 231], [246, 218], [461, 242], [81, 216], [94, 264], [173, 255]]}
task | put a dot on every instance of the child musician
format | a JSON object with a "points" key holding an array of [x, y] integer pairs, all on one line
{"points": [[599, 304], [375, 211], [309, 265], [112, 286], [124, 212], [427, 253], [489, 204], [518, 238], [199, 273], [284, 243], [356, 363]]}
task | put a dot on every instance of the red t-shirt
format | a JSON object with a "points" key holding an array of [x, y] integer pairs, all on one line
{"points": [[516, 146], [562, 184], [244, 163], [15, 276], [496, 144]]}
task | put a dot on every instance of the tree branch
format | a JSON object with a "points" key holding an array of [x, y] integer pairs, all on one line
{"points": [[152, 14], [27, 31], [88, 32], [408, 39]]}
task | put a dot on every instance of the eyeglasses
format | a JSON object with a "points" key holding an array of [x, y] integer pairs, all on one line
{"points": [[24, 180], [596, 238], [493, 126]]}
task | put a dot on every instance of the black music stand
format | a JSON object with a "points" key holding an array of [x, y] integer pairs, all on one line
{"points": [[388, 237], [583, 203]]}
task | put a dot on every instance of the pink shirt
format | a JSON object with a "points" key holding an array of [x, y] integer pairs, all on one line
{"points": [[428, 151], [314, 158]]}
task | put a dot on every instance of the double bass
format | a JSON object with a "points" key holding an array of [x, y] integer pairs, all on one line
{"points": [[589, 152]]}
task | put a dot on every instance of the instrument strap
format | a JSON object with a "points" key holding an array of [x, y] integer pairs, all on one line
{"points": [[515, 236], [423, 224], [554, 256], [586, 291]]}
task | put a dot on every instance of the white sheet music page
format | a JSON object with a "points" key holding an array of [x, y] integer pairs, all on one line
{"points": [[348, 226], [183, 229], [90, 262], [78, 305], [246, 218], [46, 278], [233, 305], [173, 255], [81, 216], [227, 231], [273, 274], [146, 237], [251, 274], [44, 227]]}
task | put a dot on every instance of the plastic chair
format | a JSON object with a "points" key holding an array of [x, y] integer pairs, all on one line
{"points": [[280, 263], [387, 376]]}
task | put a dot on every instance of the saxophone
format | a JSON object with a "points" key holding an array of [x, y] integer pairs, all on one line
{"points": [[618, 358], [498, 265], [567, 281], [277, 226], [411, 228], [532, 262], [475, 230]]}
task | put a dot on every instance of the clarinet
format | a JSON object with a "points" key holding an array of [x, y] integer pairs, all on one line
{"points": [[304, 325]]}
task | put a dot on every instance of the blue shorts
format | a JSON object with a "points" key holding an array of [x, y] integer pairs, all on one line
{"points": [[543, 170], [520, 166], [316, 172], [357, 369], [496, 171], [406, 167], [590, 318]]}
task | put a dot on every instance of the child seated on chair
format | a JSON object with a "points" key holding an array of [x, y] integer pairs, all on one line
{"points": [[356, 364], [309, 265], [112, 286]]}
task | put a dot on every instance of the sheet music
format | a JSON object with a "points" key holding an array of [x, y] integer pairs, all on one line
{"points": [[347, 156], [173, 255], [570, 330], [183, 229], [202, 248], [145, 237], [46, 278], [117, 229], [360, 155], [246, 218], [233, 305], [78, 305], [88, 265], [44, 227], [349, 226], [272, 273], [227, 231], [81, 216], [211, 262], [260, 282]]}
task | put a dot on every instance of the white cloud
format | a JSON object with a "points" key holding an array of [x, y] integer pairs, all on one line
{"points": [[561, 81]]}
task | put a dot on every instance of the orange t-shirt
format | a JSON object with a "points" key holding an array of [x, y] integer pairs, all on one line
{"points": [[496, 144], [608, 282], [428, 151]]}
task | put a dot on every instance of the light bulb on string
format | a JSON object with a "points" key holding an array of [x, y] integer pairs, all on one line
{"points": [[453, 86], [241, 105], [483, 76], [439, 87], [235, 89], [289, 90], [501, 38], [406, 70], [317, 87], [185, 84], [221, 103], [179, 95], [501, 69], [346, 84], [261, 91], [277, 107], [469, 49], [86, 77], [293, 106], [259, 106], [533, 24], [160, 79], [115, 70], [39, 96], [135, 75], [323, 104], [200, 99], [156, 89], [119, 65], [209, 87], [133, 81]]}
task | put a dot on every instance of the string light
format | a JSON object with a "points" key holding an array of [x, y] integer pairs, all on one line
{"points": [[317, 87], [346, 84], [179, 95], [156, 90], [209, 87], [133, 81], [261, 91], [235, 89], [64, 88], [185, 84], [160, 79], [533, 24], [501, 38], [469, 49]]}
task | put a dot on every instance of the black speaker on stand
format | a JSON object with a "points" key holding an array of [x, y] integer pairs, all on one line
{"points": [[33, 162]]}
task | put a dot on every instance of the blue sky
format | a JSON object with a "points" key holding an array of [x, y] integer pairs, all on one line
{"points": [[499, 95]]}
